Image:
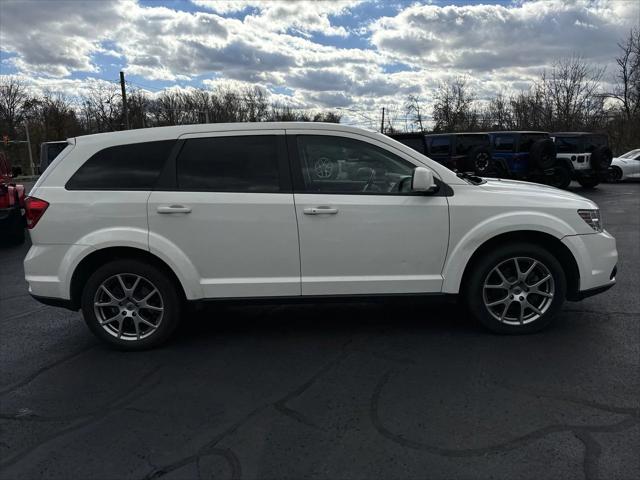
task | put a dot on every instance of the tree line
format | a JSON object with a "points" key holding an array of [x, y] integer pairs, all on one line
{"points": [[568, 97], [51, 116]]}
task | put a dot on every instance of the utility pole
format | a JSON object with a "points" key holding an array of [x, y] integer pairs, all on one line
{"points": [[125, 110], [382, 122], [26, 129]]}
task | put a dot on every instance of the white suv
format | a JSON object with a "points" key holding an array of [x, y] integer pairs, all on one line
{"points": [[132, 227]]}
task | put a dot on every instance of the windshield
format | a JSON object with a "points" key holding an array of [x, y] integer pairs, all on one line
{"points": [[631, 154]]}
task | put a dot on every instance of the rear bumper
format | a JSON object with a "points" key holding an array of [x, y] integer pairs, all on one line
{"points": [[597, 257], [55, 302]]}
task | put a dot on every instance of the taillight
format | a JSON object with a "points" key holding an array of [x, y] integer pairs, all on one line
{"points": [[34, 208]]}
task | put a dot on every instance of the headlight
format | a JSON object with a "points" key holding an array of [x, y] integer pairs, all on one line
{"points": [[593, 218]]}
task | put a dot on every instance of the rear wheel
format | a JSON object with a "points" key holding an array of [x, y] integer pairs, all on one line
{"points": [[516, 289], [131, 305], [588, 182]]}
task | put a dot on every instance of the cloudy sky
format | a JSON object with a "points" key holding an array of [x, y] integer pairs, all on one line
{"points": [[352, 55]]}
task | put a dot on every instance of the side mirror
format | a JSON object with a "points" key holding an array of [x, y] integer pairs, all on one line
{"points": [[423, 181]]}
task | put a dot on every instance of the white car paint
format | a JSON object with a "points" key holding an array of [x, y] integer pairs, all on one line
{"points": [[260, 244], [629, 164]]}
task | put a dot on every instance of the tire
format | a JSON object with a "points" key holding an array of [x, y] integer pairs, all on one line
{"points": [[615, 175], [561, 177], [325, 169], [141, 313], [480, 160], [588, 182], [601, 158], [479, 299], [543, 153]]}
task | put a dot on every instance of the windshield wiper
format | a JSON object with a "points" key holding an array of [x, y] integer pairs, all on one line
{"points": [[476, 180]]}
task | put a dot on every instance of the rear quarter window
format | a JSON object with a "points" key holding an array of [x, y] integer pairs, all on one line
{"points": [[504, 143], [133, 166], [440, 145], [567, 145]]}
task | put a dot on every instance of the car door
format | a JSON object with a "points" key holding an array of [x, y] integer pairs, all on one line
{"points": [[359, 233], [225, 206]]}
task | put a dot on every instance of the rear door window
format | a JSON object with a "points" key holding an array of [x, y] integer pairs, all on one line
{"points": [[229, 164], [134, 166]]}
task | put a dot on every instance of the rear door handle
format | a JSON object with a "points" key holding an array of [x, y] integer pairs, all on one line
{"points": [[173, 209], [320, 211]]}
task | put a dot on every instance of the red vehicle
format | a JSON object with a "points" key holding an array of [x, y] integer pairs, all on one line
{"points": [[11, 205]]}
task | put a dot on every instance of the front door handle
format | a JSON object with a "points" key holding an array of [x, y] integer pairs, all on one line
{"points": [[320, 211], [173, 209]]}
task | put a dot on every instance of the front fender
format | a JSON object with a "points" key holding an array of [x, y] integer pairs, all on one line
{"points": [[462, 249]]}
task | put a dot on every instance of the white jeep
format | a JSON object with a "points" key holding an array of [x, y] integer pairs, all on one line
{"points": [[582, 156]]}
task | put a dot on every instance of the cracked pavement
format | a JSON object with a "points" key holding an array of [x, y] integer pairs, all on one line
{"points": [[386, 390]]}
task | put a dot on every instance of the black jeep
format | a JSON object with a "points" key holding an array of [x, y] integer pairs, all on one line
{"points": [[461, 152], [582, 156]]}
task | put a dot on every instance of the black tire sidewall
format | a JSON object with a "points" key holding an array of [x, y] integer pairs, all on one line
{"points": [[588, 182], [473, 293], [616, 174], [168, 291], [562, 173]]}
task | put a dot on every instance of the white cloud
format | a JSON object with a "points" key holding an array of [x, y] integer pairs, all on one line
{"points": [[274, 45]]}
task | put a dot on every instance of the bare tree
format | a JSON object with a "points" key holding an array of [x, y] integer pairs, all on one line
{"points": [[102, 108], [453, 108], [414, 111], [627, 89], [572, 90], [13, 100]]}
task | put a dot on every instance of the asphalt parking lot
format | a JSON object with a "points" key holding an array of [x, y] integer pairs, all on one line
{"points": [[330, 391]]}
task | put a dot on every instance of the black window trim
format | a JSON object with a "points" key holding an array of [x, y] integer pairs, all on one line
{"points": [[299, 185], [111, 189], [168, 179]]}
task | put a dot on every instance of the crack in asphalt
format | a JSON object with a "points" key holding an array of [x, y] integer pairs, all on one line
{"points": [[144, 386], [27, 313], [279, 405], [29, 378], [582, 432]]}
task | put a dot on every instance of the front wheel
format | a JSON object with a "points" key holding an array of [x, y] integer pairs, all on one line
{"points": [[131, 305], [616, 174], [516, 289]]}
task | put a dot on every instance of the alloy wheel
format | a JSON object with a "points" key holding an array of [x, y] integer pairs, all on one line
{"points": [[128, 306], [518, 290]]}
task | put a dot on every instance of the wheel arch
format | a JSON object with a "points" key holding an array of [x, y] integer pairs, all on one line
{"points": [[547, 241], [97, 258]]}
